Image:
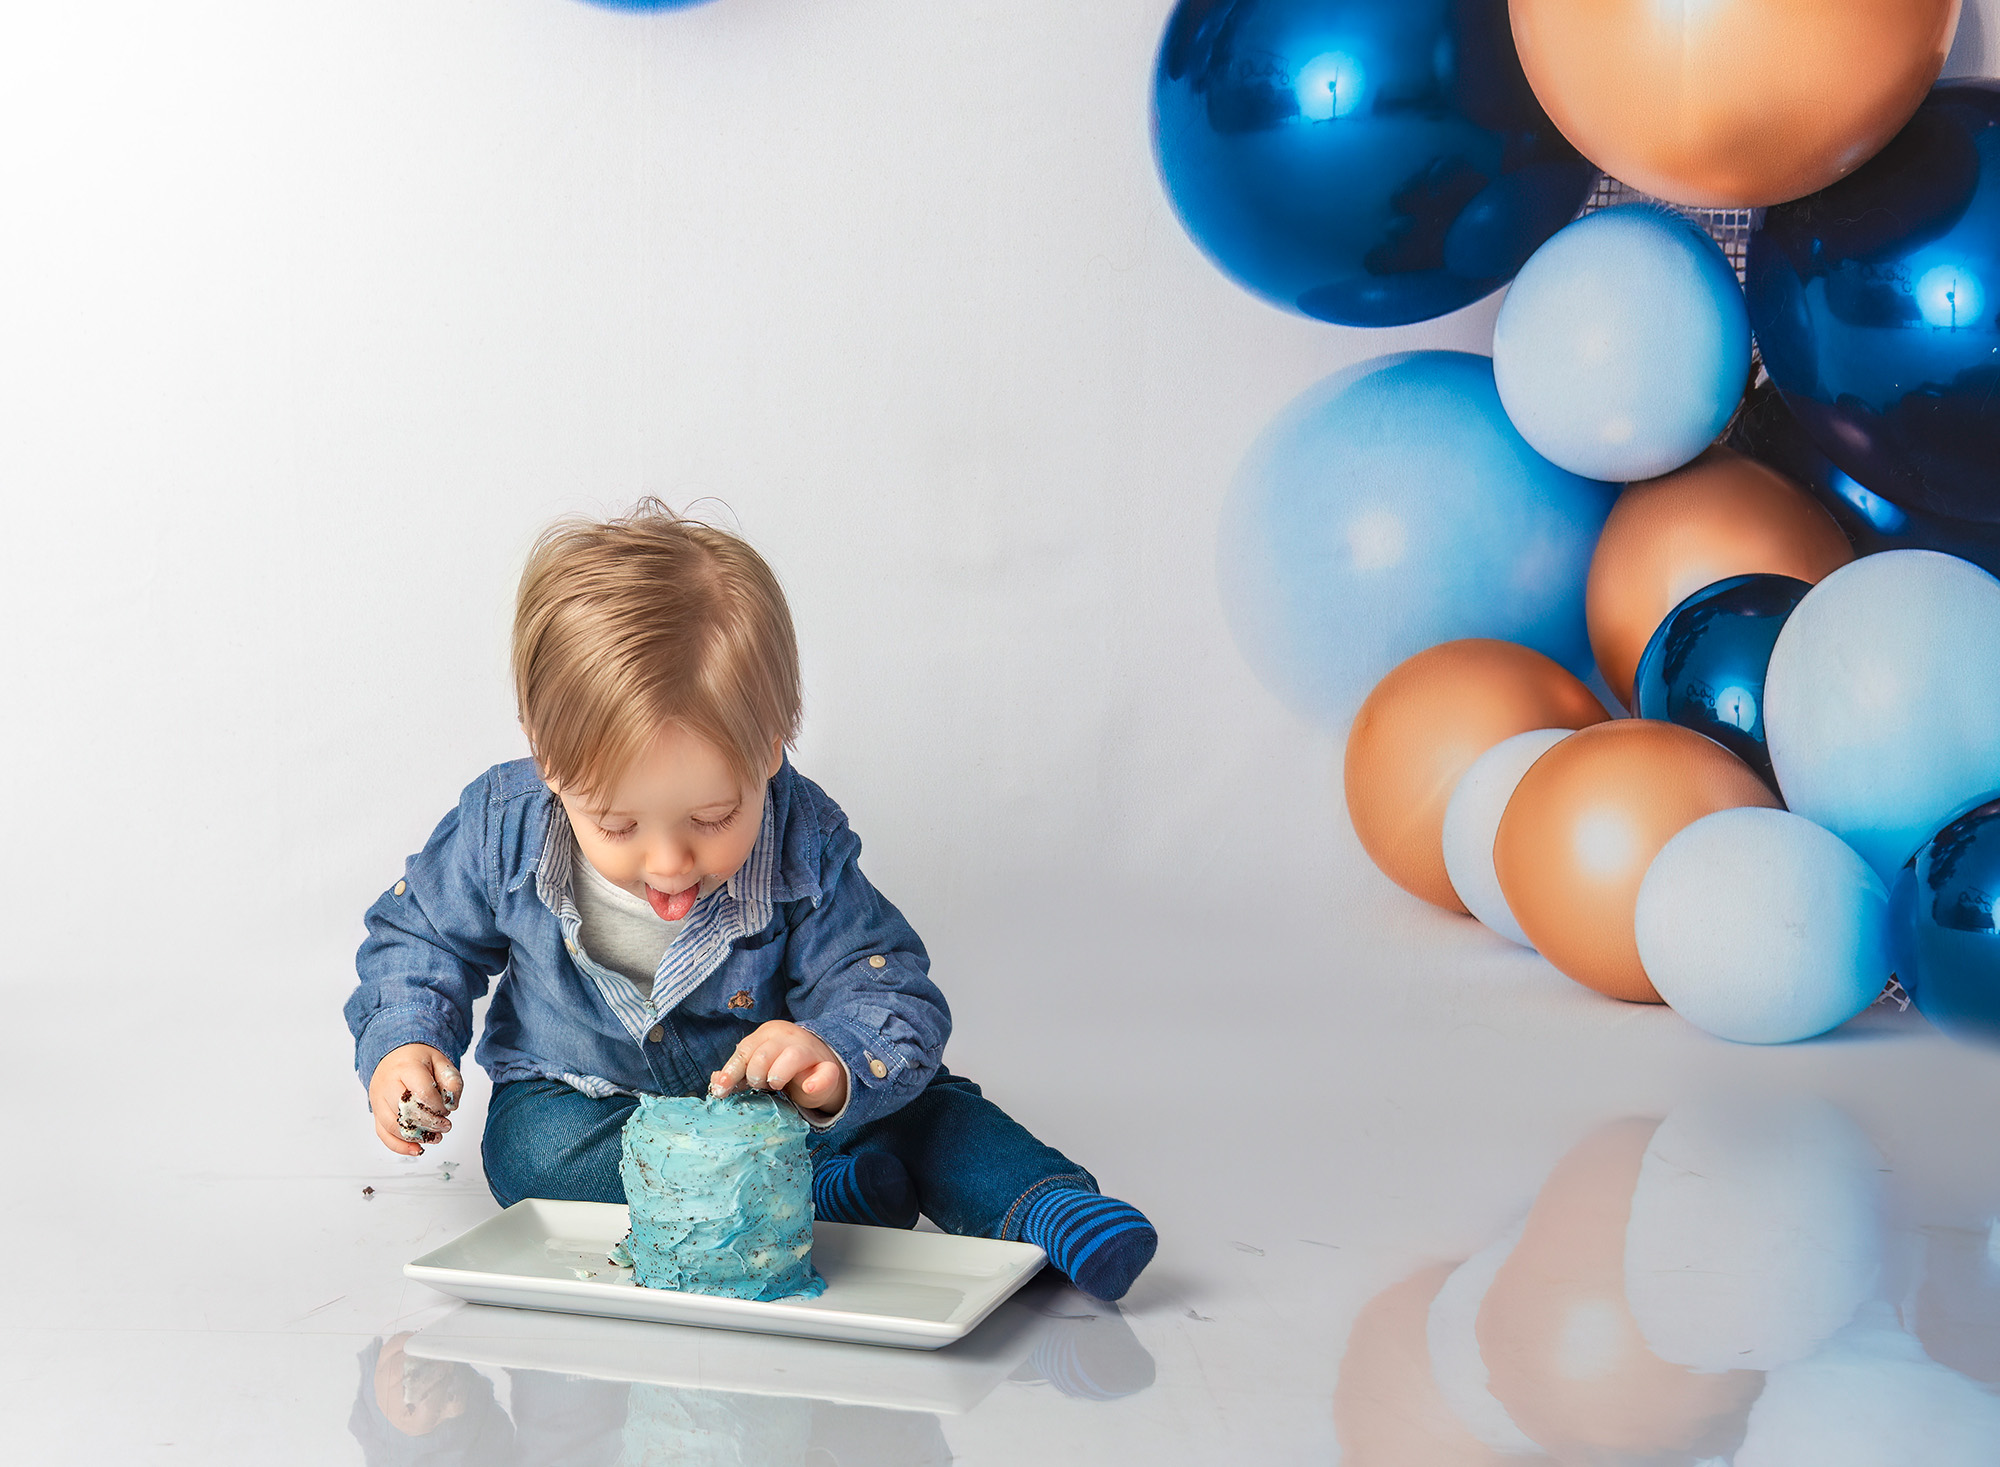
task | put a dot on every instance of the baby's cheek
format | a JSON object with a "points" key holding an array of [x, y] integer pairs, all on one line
{"points": [[725, 856]]}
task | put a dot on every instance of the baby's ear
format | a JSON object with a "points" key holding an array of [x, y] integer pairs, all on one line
{"points": [[541, 769], [777, 758]]}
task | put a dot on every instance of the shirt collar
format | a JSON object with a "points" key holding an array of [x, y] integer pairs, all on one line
{"points": [[752, 883], [752, 887]]}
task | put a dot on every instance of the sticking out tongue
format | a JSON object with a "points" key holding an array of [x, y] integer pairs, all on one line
{"points": [[676, 907]]}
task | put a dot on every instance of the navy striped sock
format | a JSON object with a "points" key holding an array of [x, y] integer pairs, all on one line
{"points": [[1100, 1242], [871, 1188]]}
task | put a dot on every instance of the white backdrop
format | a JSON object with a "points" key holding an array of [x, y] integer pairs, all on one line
{"points": [[315, 313], [312, 314]]}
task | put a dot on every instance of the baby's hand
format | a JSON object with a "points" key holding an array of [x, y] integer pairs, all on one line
{"points": [[782, 1056], [412, 1093]]}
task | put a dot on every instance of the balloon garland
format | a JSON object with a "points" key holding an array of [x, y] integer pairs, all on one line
{"points": [[1806, 806], [1368, 162]]}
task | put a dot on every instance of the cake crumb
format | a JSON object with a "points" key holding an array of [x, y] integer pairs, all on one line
{"points": [[367, 1192], [414, 1119]]}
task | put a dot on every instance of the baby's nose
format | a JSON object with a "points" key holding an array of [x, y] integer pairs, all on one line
{"points": [[670, 865]]}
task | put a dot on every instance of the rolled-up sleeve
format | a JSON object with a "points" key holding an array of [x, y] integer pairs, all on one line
{"points": [[860, 979], [433, 942]]}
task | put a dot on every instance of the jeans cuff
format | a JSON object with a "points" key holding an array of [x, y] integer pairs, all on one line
{"points": [[1010, 1226]]}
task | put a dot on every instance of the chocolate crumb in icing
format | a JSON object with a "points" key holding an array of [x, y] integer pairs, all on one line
{"points": [[720, 1193]]}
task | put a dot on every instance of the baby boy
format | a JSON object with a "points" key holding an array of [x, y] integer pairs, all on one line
{"points": [[676, 909]]}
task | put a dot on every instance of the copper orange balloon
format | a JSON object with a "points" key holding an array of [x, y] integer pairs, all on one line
{"points": [[1731, 104], [1564, 1353], [1723, 515], [1387, 1408], [1424, 726], [1586, 821]]}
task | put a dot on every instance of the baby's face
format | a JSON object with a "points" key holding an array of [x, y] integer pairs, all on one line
{"points": [[678, 826]]}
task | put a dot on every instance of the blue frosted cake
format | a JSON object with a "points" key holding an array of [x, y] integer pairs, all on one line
{"points": [[720, 1194]]}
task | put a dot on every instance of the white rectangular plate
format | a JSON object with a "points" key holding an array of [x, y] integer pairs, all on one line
{"points": [[884, 1286]]}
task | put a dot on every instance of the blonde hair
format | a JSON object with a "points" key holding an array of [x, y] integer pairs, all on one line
{"points": [[623, 626]]}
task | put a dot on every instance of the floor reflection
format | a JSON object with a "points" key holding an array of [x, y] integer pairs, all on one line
{"points": [[1747, 1282], [520, 1388]]}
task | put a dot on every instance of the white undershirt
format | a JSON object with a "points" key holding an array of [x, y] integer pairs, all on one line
{"points": [[620, 930], [623, 933]]}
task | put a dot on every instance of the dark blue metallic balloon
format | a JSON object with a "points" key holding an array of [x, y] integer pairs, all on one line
{"points": [[1704, 667], [1952, 942], [1766, 431], [1876, 303], [1368, 162]]}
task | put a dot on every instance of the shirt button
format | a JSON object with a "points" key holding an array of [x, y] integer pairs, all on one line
{"points": [[656, 1033], [879, 1070], [401, 887], [878, 961], [571, 946]]}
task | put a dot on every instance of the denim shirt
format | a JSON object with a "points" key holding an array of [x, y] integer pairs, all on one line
{"points": [[798, 933]]}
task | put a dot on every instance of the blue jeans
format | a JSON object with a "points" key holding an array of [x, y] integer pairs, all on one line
{"points": [[975, 1167]]}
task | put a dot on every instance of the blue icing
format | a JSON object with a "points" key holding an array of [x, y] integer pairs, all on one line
{"points": [[720, 1193], [668, 1426]]}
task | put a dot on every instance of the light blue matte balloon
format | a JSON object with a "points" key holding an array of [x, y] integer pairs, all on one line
{"points": [[1760, 927], [1624, 344], [1882, 703], [1393, 507]]}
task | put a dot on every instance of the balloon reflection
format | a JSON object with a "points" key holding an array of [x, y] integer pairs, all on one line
{"points": [[1871, 1396], [1755, 1234], [1711, 1288], [1568, 1358], [1388, 1407], [1957, 1309], [1452, 1331]]}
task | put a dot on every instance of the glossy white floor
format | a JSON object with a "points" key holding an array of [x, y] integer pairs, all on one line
{"points": [[1729, 1255]]}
